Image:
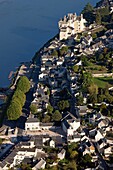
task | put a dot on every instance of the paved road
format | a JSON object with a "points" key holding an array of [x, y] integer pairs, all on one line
{"points": [[103, 162]]}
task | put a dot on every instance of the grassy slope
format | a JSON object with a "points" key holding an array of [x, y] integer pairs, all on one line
{"points": [[103, 81]]}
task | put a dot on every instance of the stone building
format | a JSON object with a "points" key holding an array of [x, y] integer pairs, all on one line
{"points": [[70, 25]]}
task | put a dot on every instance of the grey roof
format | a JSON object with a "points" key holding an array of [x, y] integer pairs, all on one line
{"points": [[39, 164], [9, 159], [27, 160], [46, 124], [82, 108], [66, 124], [63, 151], [30, 120]]}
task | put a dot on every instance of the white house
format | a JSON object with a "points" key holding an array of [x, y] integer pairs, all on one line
{"points": [[19, 153], [99, 135], [61, 155], [107, 151], [70, 126], [52, 143], [32, 124]]}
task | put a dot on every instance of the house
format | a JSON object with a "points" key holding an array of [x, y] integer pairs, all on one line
{"points": [[70, 124], [47, 126], [74, 138], [70, 25], [20, 153], [52, 143], [99, 135], [40, 165], [108, 150], [82, 110], [61, 154], [86, 147], [86, 40], [32, 124], [103, 123], [101, 143]]}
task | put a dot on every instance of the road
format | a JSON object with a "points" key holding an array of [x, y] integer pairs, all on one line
{"points": [[103, 162]]}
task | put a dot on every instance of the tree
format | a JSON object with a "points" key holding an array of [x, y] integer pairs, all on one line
{"points": [[94, 35], [54, 53], [93, 98], [101, 98], [111, 17], [87, 80], [101, 57], [111, 158], [14, 111], [73, 154], [93, 89], [87, 8], [63, 104], [85, 61], [73, 146], [46, 119], [79, 100], [63, 50], [56, 116], [103, 109], [23, 166], [33, 108], [109, 98], [75, 68], [18, 94], [98, 18], [86, 159], [72, 165], [49, 108], [23, 84], [88, 13]]}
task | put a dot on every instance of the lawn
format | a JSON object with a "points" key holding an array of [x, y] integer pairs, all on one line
{"points": [[95, 69], [103, 81]]}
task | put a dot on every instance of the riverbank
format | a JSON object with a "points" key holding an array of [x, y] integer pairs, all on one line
{"points": [[36, 23]]}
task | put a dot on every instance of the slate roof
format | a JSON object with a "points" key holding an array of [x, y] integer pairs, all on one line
{"points": [[31, 120], [66, 124], [39, 164]]}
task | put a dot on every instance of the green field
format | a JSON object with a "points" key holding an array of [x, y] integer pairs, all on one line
{"points": [[103, 81]]}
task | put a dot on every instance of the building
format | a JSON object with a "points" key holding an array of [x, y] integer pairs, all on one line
{"points": [[25, 152], [70, 25], [61, 154], [70, 124], [32, 124], [40, 165]]}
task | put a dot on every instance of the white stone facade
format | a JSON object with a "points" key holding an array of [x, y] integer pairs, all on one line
{"points": [[32, 126], [70, 25]]}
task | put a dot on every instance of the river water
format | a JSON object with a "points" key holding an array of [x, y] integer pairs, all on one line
{"points": [[25, 25]]}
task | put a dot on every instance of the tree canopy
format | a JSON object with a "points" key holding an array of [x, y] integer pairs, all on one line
{"points": [[33, 108], [98, 18], [49, 108], [20, 96], [88, 13], [63, 104], [14, 111], [56, 115], [63, 50], [23, 84]]}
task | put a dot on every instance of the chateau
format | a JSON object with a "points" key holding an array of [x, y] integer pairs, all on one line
{"points": [[70, 25]]}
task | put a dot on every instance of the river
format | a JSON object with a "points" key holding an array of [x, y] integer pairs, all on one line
{"points": [[25, 25]]}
